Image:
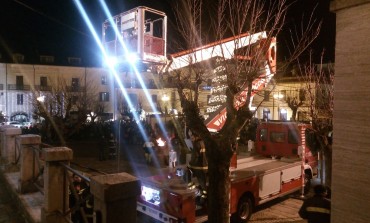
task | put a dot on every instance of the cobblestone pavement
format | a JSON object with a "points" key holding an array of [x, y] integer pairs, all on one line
{"points": [[281, 210]]}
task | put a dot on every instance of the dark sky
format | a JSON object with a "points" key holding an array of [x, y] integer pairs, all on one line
{"points": [[55, 27]]}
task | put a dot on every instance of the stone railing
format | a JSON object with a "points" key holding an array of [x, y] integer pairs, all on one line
{"points": [[112, 193]]}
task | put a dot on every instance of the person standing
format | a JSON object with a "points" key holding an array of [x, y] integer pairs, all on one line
{"points": [[198, 164], [317, 208], [149, 149]]}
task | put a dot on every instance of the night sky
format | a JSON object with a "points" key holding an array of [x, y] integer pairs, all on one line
{"points": [[44, 27]]}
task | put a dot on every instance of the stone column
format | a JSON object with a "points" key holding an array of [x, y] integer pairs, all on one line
{"points": [[2, 146], [115, 197], [29, 162], [350, 200], [8, 149], [56, 199]]}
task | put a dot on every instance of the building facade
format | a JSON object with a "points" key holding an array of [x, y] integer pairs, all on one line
{"points": [[20, 84], [351, 142]]}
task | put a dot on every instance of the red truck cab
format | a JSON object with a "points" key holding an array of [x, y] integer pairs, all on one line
{"points": [[284, 139]]}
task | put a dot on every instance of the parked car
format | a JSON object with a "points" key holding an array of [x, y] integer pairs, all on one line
{"points": [[26, 125], [16, 124]]}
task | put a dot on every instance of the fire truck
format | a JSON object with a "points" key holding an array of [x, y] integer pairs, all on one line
{"points": [[273, 170]]}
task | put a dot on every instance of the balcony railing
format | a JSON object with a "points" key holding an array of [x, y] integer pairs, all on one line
{"points": [[76, 89], [42, 88], [19, 87]]}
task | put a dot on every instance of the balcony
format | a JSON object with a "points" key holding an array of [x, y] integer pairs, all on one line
{"points": [[19, 87], [76, 89], [1, 87], [42, 88], [136, 85]]}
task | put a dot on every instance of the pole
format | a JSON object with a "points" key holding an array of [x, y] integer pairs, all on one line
{"points": [[303, 129], [273, 108]]}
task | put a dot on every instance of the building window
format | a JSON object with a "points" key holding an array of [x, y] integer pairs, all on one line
{"points": [[19, 99], [302, 94], [104, 80], [104, 96], [151, 84], [75, 84], [43, 81], [283, 114], [74, 60], [46, 59], [133, 98], [266, 114], [18, 58], [19, 80], [154, 98], [266, 96]]}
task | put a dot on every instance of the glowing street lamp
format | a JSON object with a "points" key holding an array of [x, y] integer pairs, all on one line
{"points": [[165, 98], [40, 98]]}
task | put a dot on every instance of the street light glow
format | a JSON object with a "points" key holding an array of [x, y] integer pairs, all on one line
{"points": [[41, 98], [278, 96], [165, 98]]}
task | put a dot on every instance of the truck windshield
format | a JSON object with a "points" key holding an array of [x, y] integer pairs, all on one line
{"points": [[277, 137]]}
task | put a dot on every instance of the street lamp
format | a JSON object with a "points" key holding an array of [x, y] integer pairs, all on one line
{"points": [[40, 98], [165, 98]]}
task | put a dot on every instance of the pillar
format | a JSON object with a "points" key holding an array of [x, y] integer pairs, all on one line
{"points": [[56, 199], [8, 149], [2, 129], [29, 163], [115, 197]]}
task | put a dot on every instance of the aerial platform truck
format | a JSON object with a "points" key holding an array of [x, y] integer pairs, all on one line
{"points": [[255, 179]]}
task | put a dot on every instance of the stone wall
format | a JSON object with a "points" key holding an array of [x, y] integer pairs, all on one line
{"points": [[351, 148]]}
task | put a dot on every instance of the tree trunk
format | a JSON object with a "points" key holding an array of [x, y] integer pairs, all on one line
{"points": [[219, 183], [294, 114], [218, 193]]}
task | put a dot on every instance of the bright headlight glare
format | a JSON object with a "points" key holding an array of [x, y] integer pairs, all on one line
{"points": [[132, 57]]}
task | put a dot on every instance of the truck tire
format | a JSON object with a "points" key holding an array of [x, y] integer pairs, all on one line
{"points": [[244, 210]]}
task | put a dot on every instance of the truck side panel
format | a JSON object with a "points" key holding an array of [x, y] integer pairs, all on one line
{"points": [[269, 184]]}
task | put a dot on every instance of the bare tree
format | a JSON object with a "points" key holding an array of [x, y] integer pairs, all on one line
{"points": [[319, 80], [295, 101], [64, 108], [231, 18]]}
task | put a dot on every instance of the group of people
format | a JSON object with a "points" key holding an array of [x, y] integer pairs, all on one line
{"points": [[171, 149]]}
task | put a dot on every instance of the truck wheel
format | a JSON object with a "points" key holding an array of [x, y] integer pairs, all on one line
{"points": [[244, 211]]}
